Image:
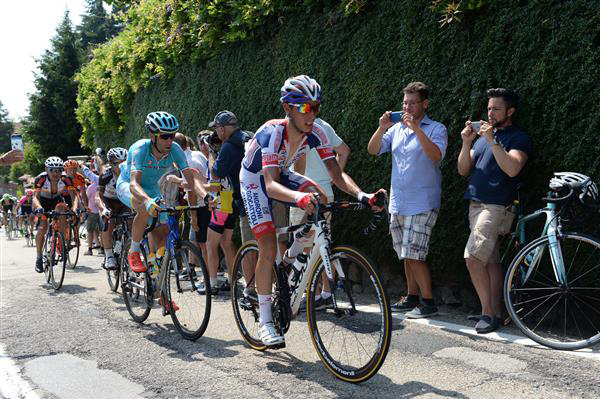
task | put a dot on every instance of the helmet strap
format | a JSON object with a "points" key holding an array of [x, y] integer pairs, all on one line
{"points": [[154, 143]]}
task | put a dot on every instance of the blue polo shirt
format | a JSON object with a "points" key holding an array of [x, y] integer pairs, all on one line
{"points": [[416, 179], [488, 183]]}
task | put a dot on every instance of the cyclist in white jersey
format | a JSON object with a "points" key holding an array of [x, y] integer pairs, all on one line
{"points": [[266, 175]]}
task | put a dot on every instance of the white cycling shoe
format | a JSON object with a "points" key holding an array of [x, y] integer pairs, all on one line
{"points": [[111, 263], [269, 336]]}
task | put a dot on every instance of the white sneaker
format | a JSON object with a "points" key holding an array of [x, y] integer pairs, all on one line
{"points": [[269, 336], [111, 263]]}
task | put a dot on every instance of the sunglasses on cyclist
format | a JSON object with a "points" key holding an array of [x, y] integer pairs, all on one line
{"points": [[55, 169], [305, 108], [167, 136]]}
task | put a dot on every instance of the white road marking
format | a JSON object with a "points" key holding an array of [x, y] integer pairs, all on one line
{"points": [[13, 386]]}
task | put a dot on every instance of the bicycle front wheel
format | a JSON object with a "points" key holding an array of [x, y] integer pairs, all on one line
{"points": [[352, 336], [243, 295], [135, 287], [561, 313], [190, 310], [58, 260]]}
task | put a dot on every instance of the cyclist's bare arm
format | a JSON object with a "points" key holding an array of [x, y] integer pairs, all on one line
{"points": [[35, 201], [100, 199], [341, 179], [342, 153], [300, 167], [275, 190], [74, 199]]}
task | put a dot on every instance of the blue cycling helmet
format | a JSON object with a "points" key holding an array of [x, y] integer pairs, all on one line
{"points": [[161, 122], [300, 89]]}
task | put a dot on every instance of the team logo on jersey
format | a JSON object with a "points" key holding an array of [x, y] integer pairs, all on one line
{"points": [[251, 186]]}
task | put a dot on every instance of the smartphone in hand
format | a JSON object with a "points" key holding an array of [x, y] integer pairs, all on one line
{"points": [[16, 141], [396, 117], [476, 126]]}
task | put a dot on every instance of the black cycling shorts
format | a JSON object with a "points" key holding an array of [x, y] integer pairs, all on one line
{"points": [[25, 210], [50, 203], [203, 221]]}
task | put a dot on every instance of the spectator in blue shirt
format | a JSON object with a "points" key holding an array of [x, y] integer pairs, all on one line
{"points": [[418, 145], [225, 179], [494, 163]]}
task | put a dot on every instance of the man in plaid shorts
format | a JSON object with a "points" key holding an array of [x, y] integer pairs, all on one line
{"points": [[418, 145]]}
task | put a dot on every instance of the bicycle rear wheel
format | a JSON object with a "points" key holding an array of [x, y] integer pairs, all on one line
{"points": [[353, 337], [193, 309], [58, 260], [555, 314], [73, 247], [136, 288], [245, 308]]}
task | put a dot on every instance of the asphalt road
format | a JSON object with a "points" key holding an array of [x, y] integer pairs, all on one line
{"points": [[81, 343]]}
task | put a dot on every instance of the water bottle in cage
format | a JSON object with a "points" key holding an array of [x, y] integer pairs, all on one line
{"points": [[300, 241], [297, 270]]}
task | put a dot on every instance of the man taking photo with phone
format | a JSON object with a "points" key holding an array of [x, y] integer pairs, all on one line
{"points": [[493, 163], [418, 145]]}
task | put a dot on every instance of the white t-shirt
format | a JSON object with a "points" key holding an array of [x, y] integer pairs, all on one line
{"points": [[198, 161], [315, 168]]}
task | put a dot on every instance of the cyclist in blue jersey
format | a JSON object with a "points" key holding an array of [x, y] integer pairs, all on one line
{"points": [[266, 175], [137, 186]]}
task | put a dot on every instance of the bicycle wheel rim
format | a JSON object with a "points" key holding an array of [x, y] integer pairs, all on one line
{"points": [[352, 346], [552, 314], [113, 277], [74, 249], [245, 311], [193, 309], [59, 261], [46, 259], [134, 290]]}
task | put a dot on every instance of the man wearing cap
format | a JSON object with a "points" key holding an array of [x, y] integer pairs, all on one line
{"points": [[225, 179]]}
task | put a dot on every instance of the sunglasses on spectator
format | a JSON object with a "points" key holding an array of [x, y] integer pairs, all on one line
{"points": [[167, 136], [55, 169], [306, 108]]}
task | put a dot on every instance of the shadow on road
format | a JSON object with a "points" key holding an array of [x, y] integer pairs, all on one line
{"points": [[168, 337], [85, 269], [285, 363], [72, 289]]}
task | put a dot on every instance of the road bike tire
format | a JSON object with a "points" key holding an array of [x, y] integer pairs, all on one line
{"points": [[114, 276], [193, 309], [73, 247], [352, 341], [245, 310], [135, 288], [559, 316], [58, 260], [9, 230], [46, 257]]}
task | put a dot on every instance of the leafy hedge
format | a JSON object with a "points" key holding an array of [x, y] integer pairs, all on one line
{"points": [[546, 50]]}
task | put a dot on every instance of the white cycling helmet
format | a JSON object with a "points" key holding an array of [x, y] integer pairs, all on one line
{"points": [[117, 154], [54, 162], [300, 89], [563, 179]]}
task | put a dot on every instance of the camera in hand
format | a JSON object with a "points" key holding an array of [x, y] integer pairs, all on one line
{"points": [[476, 126], [396, 116]]}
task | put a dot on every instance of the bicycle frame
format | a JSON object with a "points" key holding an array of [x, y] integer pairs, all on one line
{"points": [[552, 230], [320, 246]]}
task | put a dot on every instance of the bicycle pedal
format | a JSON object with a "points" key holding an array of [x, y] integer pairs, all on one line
{"points": [[277, 346]]}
